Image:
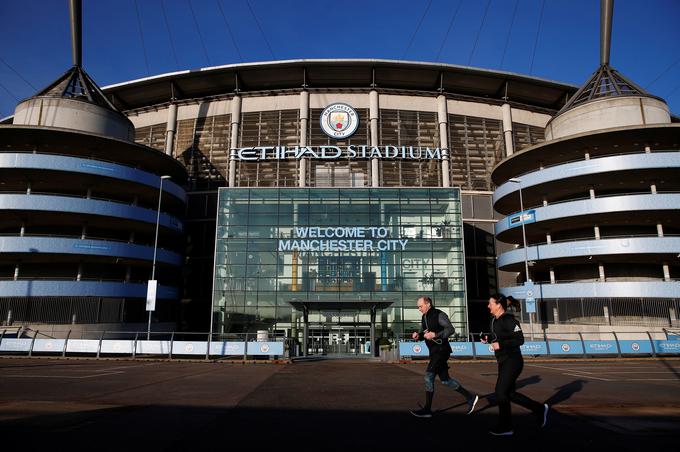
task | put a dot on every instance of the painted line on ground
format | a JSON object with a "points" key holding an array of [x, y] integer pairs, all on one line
{"points": [[588, 376], [652, 379], [61, 376]]}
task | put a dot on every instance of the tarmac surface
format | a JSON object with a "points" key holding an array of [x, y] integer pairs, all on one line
{"points": [[328, 405]]}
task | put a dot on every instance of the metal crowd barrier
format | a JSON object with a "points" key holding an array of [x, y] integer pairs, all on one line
{"points": [[577, 346], [168, 345]]}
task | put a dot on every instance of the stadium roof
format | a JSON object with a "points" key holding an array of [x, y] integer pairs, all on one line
{"points": [[340, 74]]}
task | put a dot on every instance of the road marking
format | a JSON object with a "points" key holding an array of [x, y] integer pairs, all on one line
{"points": [[652, 379], [588, 376], [61, 376], [636, 372]]}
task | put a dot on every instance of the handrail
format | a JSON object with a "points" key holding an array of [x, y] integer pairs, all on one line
{"points": [[91, 198], [80, 237], [599, 156], [89, 157], [585, 198], [602, 237]]}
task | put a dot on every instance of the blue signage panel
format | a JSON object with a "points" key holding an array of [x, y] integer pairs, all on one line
{"points": [[534, 348], [407, 348], [642, 346], [154, 347], [265, 348], [189, 348], [123, 347], [15, 345], [667, 346], [227, 348], [49, 345], [601, 347], [528, 216], [82, 346], [461, 348], [530, 305], [566, 347], [483, 349]]}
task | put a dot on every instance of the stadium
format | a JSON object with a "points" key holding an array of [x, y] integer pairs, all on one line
{"points": [[317, 199]]}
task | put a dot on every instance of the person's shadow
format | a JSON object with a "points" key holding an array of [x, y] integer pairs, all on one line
{"points": [[565, 392]]}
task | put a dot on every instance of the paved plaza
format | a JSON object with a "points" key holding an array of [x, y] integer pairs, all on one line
{"points": [[327, 405]]}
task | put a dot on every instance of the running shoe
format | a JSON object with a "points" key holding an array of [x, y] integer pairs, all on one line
{"points": [[472, 402], [543, 415], [423, 412], [501, 432]]}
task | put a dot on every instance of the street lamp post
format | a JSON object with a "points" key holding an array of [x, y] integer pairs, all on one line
{"points": [[155, 247], [524, 242]]}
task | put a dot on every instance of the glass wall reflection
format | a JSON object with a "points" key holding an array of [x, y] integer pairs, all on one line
{"points": [[345, 248]]}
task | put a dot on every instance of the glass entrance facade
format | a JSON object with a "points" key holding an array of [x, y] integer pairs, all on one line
{"points": [[336, 252]]}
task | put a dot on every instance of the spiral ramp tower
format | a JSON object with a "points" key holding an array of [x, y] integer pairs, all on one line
{"points": [[78, 211], [601, 200]]}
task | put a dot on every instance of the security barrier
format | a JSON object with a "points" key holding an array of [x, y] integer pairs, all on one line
{"points": [[239, 347], [556, 347]]}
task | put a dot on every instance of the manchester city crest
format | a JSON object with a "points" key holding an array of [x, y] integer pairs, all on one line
{"points": [[339, 121]]}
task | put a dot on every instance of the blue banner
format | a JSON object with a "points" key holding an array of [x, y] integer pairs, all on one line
{"points": [[15, 345], [188, 348], [566, 347], [49, 345], [82, 346], [461, 348], [227, 348], [117, 346], [265, 348], [413, 349], [534, 348], [601, 347], [483, 349], [667, 346], [642, 346], [156, 347]]}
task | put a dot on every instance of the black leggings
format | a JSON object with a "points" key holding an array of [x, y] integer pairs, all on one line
{"points": [[509, 369]]}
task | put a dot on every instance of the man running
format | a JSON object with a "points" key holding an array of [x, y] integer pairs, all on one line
{"points": [[436, 329]]}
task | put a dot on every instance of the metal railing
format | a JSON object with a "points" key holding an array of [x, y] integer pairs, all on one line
{"points": [[585, 198], [594, 159]]}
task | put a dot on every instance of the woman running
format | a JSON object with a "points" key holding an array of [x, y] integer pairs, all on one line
{"points": [[505, 338]]}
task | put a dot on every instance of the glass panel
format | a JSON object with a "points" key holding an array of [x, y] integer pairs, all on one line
{"points": [[322, 246]]}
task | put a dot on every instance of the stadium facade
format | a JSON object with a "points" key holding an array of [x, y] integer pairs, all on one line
{"points": [[419, 161]]}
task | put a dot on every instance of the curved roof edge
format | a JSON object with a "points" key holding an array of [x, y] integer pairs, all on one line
{"points": [[339, 73]]}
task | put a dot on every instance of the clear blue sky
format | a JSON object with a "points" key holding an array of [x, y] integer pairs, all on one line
{"points": [[36, 37]]}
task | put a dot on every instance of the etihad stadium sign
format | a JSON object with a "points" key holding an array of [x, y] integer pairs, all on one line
{"points": [[260, 153]]}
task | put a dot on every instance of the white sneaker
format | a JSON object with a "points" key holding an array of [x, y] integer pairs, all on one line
{"points": [[546, 408], [501, 432], [472, 403]]}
